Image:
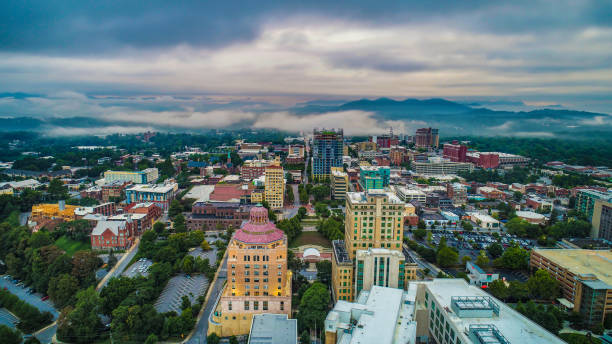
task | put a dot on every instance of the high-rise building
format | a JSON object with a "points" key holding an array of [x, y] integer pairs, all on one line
{"points": [[326, 151], [585, 201], [274, 189], [339, 183], [374, 177], [382, 267], [602, 220], [398, 155], [258, 279], [373, 240], [426, 137], [584, 277], [455, 152]]}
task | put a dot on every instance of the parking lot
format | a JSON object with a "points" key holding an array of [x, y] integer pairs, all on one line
{"points": [[25, 294], [211, 254], [7, 319], [170, 298], [139, 268]]}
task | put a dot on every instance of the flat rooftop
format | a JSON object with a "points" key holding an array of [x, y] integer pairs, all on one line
{"points": [[273, 329], [362, 197], [200, 192], [579, 261], [510, 323]]}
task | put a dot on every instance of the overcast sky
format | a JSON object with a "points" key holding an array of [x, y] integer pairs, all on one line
{"points": [[540, 52]]}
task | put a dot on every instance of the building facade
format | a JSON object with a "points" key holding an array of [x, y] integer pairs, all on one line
{"points": [[146, 176], [602, 220], [426, 137], [258, 279], [327, 150], [275, 186], [585, 201], [382, 267], [112, 235], [584, 277], [374, 177], [441, 167], [160, 194], [339, 183], [455, 152], [214, 215]]}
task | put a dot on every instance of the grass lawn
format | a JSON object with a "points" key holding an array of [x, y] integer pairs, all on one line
{"points": [[71, 246], [311, 238]]}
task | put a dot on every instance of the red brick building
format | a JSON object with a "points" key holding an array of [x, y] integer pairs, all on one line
{"points": [[112, 234], [151, 210], [114, 189], [455, 152]]}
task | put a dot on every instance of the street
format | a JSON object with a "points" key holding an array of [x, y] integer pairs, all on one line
{"points": [[422, 263], [201, 327], [121, 265]]}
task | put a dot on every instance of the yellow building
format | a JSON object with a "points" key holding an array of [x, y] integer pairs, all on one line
{"points": [[275, 186], [372, 238], [258, 279], [339, 183], [366, 146], [6, 189], [257, 196], [54, 211]]}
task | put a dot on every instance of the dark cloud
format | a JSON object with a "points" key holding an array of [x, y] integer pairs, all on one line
{"points": [[99, 26]]}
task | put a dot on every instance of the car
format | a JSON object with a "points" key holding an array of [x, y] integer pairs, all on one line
{"points": [[44, 298]]}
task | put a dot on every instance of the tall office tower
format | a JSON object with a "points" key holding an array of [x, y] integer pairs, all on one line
{"points": [[339, 183], [372, 239], [326, 151], [427, 137], [274, 190], [258, 279]]}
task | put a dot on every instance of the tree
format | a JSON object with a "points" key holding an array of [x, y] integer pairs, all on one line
{"points": [[518, 291], [421, 224], [57, 190], [466, 259], [233, 340], [159, 227], [542, 286], [179, 224], [305, 338], [151, 339], [467, 226], [313, 307], [446, 257], [175, 208], [40, 239], [81, 324], [115, 292], [419, 234], [513, 258], [482, 260], [495, 250], [324, 271], [10, 336], [62, 289], [84, 265], [499, 289], [205, 245], [213, 338]]}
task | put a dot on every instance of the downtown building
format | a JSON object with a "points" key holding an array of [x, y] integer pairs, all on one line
{"points": [[374, 177], [258, 279], [455, 151], [438, 166], [441, 311], [371, 252], [339, 183], [146, 176], [327, 151], [274, 188], [584, 278], [426, 137]]}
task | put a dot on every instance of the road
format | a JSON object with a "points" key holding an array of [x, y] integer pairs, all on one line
{"points": [[121, 265], [296, 195], [422, 263], [199, 337]]}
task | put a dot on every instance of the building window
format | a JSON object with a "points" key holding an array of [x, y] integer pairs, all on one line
{"points": [[282, 305], [265, 305], [255, 305], [229, 305], [246, 305]]}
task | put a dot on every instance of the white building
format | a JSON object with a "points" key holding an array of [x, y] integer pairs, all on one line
{"points": [[484, 221], [451, 311], [380, 315], [273, 329], [478, 276], [407, 195]]}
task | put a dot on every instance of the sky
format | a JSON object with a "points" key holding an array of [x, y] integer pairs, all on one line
{"points": [[183, 60]]}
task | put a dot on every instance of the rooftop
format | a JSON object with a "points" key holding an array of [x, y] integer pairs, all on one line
{"points": [[513, 326], [362, 197], [340, 252], [157, 188], [273, 329], [579, 261]]}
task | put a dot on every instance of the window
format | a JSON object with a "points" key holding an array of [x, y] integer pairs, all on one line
{"points": [[246, 305], [265, 305], [282, 305], [229, 305], [255, 305]]}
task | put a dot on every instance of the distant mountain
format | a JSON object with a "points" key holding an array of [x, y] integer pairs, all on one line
{"points": [[424, 107]]}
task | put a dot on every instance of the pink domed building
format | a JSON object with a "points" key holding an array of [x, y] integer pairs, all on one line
{"points": [[258, 280]]}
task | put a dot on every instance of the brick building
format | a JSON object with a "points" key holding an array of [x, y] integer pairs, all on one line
{"points": [[455, 152], [112, 234]]}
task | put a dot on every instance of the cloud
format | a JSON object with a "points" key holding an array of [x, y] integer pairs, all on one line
{"points": [[100, 131]]}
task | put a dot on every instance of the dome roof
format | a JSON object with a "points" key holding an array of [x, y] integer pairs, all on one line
{"points": [[310, 252], [259, 230]]}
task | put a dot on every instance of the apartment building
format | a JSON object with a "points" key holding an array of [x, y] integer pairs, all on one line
{"points": [[274, 189], [160, 194], [441, 167], [584, 277], [374, 177], [382, 267], [602, 220], [585, 201], [258, 279], [457, 192], [327, 151], [339, 183]]}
